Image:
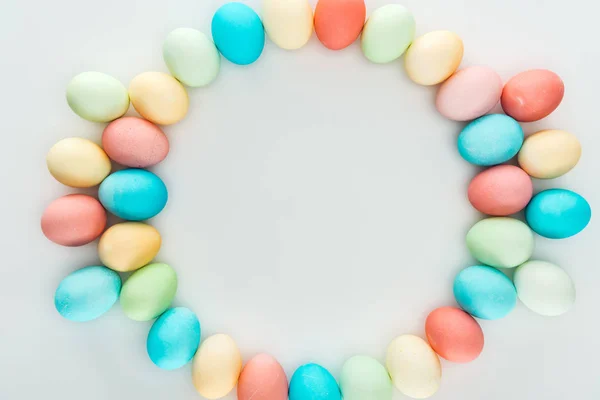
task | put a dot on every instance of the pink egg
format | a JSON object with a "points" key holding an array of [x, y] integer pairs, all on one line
{"points": [[135, 142], [74, 220], [501, 190], [454, 334], [262, 379], [470, 93]]}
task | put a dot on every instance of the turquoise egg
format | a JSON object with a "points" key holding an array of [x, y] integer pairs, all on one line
{"points": [[484, 292], [490, 140], [238, 33], [133, 194], [174, 338], [87, 293], [558, 213], [313, 382]]}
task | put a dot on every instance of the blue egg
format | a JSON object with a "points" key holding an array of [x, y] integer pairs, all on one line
{"points": [[238, 33], [558, 213], [133, 194], [87, 293], [484, 292], [313, 382], [174, 338], [490, 140]]}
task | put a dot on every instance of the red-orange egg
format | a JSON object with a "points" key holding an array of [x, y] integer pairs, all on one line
{"points": [[501, 190], [262, 378], [338, 23]]}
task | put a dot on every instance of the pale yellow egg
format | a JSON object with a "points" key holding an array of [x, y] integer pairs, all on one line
{"points": [[549, 154], [288, 23], [78, 162], [159, 97], [433, 57], [128, 246], [216, 367]]}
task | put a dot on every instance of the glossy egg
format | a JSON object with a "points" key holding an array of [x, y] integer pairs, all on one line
{"points": [[159, 98], [433, 57], [128, 246], [338, 23], [558, 213], [262, 378], [388, 33], [490, 140], [173, 338], [216, 366], [364, 377], [454, 334], [97, 97], [238, 33], [549, 154], [501, 190], [288, 23], [87, 293], [78, 162], [149, 292], [313, 382]]}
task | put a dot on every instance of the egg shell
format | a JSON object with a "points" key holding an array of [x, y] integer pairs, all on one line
{"points": [[414, 367], [433, 57], [191, 57], [97, 97], [454, 334], [363, 378], [490, 140], [501, 190], [470, 93], [387, 33], [149, 292], [532, 95], [128, 246], [544, 288], [558, 213], [484, 292], [500, 242], [549, 154], [238, 33], [313, 382], [73, 220], [159, 98], [216, 366], [338, 23], [133, 194], [78, 162], [135, 142], [262, 378], [288, 23], [87, 293], [173, 338]]}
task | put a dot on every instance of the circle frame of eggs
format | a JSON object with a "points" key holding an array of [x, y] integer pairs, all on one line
{"points": [[238, 34]]}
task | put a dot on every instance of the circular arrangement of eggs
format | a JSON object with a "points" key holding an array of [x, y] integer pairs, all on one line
{"points": [[412, 364]]}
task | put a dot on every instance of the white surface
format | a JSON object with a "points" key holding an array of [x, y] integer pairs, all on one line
{"points": [[318, 204]]}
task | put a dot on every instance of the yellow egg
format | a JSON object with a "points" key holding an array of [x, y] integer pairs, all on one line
{"points": [[289, 23], [216, 367], [158, 97], [128, 246], [433, 57], [549, 154], [78, 162]]}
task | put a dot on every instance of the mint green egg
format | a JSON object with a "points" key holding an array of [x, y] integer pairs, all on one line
{"points": [[388, 33], [148, 292], [500, 242], [97, 97], [364, 378], [191, 57]]}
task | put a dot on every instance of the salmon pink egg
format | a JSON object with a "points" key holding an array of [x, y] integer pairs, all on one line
{"points": [[501, 190], [338, 23], [262, 378]]}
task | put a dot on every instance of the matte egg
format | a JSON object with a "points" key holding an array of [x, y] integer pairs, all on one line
{"points": [[97, 97], [388, 33], [216, 366], [78, 162], [501, 190], [238, 33], [128, 246], [363, 378], [159, 98], [338, 23], [433, 57], [549, 154], [148, 292], [288, 23], [454, 334], [558, 213], [262, 378], [313, 382]]}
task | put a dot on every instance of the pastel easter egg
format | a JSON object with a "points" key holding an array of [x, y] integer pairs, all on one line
{"points": [[363, 378], [433, 57], [159, 98], [133, 194], [454, 334], [549, 154], [500, 242], [149, 292], [470, 93], [414, 367], [338, 23], [490, 140], [238, 33], [216, 366], [388, 33], [87, 293], [73, 220], [484, 292], [288, 23], [135, 142], [97, 97], [501, 190], [191, 57], [532, 95], [78, 162], [262, 378], [558, 213], [313, 382], [173, 338], [128, 246], [544, 288]]}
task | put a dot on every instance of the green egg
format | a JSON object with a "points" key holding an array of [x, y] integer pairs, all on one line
{"points": [[97, 97], [364, 378], [148, 292], [388, 33]]}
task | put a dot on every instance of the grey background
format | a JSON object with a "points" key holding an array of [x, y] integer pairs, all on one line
{"points": [[317, 202]]}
